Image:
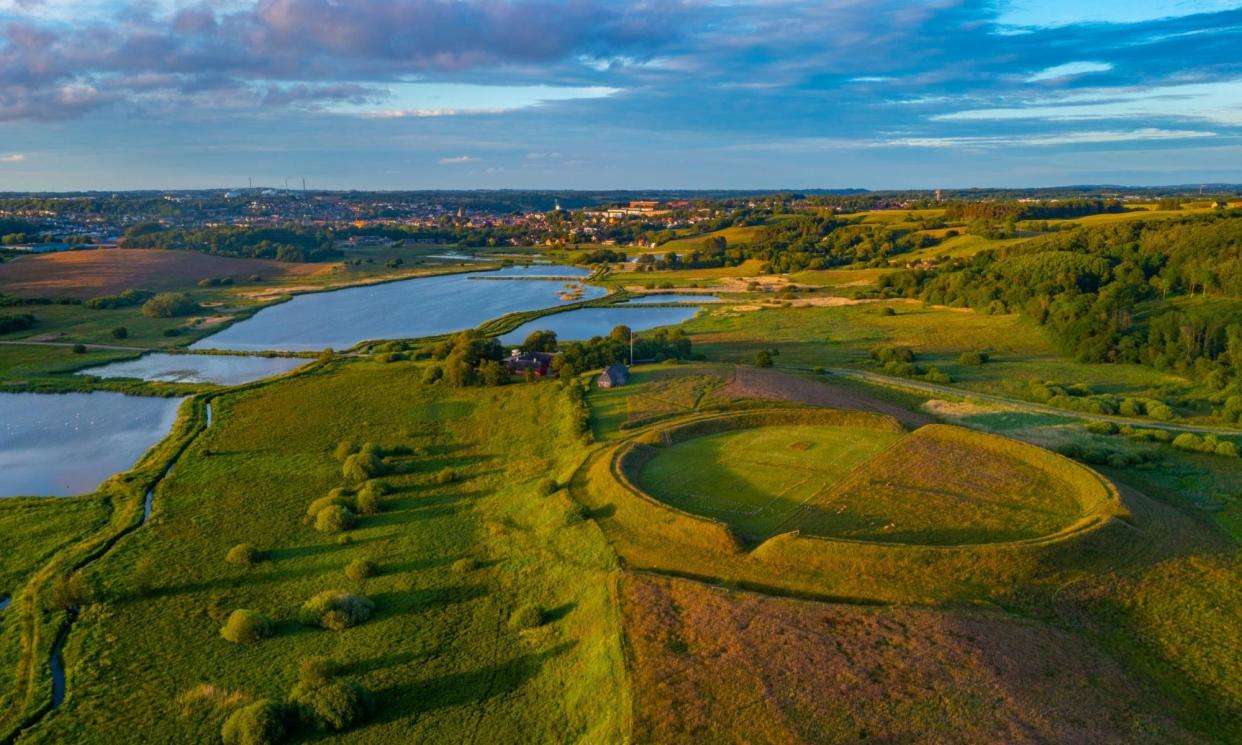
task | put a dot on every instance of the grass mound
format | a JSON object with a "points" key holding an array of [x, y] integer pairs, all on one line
{"points": [[763, 473]]}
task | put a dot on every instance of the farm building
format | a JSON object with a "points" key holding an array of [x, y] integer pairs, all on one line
{"points": [[613, 376], [537, 363]]}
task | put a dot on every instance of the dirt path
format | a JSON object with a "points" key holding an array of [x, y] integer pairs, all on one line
{"points": [[107, 347], [752, 382]]}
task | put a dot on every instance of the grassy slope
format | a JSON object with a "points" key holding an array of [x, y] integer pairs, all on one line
{"points": [[438, 652]]}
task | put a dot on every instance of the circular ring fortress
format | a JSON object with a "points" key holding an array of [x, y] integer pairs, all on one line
{"points": [[775, 475]]}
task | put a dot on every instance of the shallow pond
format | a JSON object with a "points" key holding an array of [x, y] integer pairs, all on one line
{"points": [[672, 298], [423, 306], [584, 323], [197, 368], [61, 444]]}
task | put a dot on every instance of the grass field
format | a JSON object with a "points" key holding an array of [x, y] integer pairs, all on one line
{"points": [[758, 480], [455, 559], [801, 672]]}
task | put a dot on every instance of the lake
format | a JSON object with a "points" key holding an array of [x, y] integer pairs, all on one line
{"points": [[197, 368], [584, 323], [424, 306], [62, 444], [672, 298]]}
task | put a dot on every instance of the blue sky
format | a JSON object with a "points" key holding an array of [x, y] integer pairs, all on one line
{"points": [[391, 94]]}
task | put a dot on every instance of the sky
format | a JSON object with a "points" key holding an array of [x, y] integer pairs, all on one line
{"points": [[618, 94]]}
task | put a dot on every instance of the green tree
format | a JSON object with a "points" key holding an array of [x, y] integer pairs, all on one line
{"points": [[246, 626], [259, 723]]}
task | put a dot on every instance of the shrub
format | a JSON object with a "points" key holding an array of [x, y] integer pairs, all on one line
{"points": [[1159, 410], [763, 358], [246, 626], [576, 514], [548, 487], [363, 465], [973, 358], [1102, 428], [526, 617], [344, 449], [169, 305], [1227, 449], [316, 671], [360, 569], [446, 475], [1187, 441], [885, 355], [336, 610], [260, 723], [242, 555], [432, 374], [120, 332], [332, 706], [79, 349], [319, 505], [367, 501], [464, 566], [335, 518], [70, 591], [887, 311]]}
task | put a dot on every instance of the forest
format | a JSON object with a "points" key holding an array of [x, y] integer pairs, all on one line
{"points": [[1162, 293]]}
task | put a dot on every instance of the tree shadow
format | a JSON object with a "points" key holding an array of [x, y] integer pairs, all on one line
{"points": [[423, 598], [473, 687], [552, 615]]}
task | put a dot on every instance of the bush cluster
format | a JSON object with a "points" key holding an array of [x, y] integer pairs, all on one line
{"points": [[260, 723], [360, 569], [336, 610], [246, 626], [243, 555], [322, 702]]}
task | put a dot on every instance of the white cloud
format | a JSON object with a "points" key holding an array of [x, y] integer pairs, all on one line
{"points": [[1219, 102], [1069, 70], [1048, 140], [12, 158], [458, 160], [457, 99]]}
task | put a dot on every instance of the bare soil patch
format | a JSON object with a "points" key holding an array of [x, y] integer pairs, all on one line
{"points": [[107, 271], [772, 385], [710, 665]]}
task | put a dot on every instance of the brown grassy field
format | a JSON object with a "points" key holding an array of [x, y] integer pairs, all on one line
{"points": [[710, 665], [85, 274]]}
